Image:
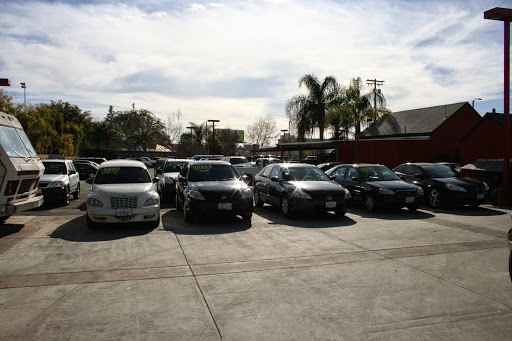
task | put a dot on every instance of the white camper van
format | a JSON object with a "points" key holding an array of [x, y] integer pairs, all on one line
{"points": [[20, 169]]}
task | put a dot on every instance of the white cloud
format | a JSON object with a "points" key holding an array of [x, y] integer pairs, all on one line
{"points": [[237, 60]]}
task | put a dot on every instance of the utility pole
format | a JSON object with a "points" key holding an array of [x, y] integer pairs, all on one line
{"points": [[375, 84]]}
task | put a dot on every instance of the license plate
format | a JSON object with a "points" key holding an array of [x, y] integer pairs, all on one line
{"points": [[330, 204], [225, 206], [409, 200], [124, 212], [480, 196]]}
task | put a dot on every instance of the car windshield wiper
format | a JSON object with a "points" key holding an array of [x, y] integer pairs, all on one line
{"points": [[23, 156]]}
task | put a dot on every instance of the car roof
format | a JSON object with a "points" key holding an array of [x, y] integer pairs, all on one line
{"points": [[294, 165], [359, 165], [122, 163], [178, 160], [209, 162], [55, 160]]}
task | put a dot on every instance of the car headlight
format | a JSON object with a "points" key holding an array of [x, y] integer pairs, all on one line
{"points": [[457, 188], [169, 179], [94, 202], [152, 201], [301, 194], [247, 193], [420, 190], [195, 195], [385, 191], [486, 186], [56, 184]]}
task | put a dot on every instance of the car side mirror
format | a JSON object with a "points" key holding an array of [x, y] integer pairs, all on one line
{"points": [[419, 176], [156, 179], [332, 177], [274, 179], [89, 180], [357, 180]]}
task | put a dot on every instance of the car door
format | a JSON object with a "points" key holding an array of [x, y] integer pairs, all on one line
{"points": [[262, 183], [74, 177], [275, 187], [353, 182], [181, 184]]}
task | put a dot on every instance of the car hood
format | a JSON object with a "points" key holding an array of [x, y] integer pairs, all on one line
{"points": [[173, 174], [218, 186], [122, 190], [47, 178], [394, 185], [460, 181], [316, 186]]}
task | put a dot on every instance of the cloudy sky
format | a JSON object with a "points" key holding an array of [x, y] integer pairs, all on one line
{"points": [[238, 60]]}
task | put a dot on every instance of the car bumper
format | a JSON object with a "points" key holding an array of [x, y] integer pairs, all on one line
{"points": [[510, 240], [201, 207], [399, 201], [20, 206], [113, 215], [54, 193], [298, 204], [464, 197]]}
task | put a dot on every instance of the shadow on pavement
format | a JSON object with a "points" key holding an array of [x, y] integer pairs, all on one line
{"points": [[76, 230], [391, 213], [219, 224], [8, 229], [303, 219], [480, 211]]}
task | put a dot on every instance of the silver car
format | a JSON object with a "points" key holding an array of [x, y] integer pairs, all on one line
{"points": [[123, 191]]}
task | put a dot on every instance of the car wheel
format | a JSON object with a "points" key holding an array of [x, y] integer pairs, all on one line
{"points": [[340, 213], [257, 199], [286, 210], [510, 265], [179, 206], [413, 208], [434, 198], [76, 194], [369, 203], [187, 215], [66, 197], [246, 217], [4, 218]]}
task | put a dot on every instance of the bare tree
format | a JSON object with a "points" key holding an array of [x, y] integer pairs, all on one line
{"points": [[262, 131], [174, 127]]}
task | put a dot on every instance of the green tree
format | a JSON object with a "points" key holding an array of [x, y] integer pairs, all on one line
{"points": [[227, 141], [308, 111]]}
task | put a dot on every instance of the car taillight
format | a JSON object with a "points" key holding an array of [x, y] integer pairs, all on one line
{"points": [[11, 187]]}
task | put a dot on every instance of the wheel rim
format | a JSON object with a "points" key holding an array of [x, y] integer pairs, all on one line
{"points": [[370, 203], [435, 198], [284, 206]]}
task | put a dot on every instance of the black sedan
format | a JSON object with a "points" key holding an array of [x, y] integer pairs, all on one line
{"points": [[299, 187], [211, 187], [442, 185], [86, 169], [376, 185]]}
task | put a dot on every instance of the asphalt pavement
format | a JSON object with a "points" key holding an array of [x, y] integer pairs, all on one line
{"points": [[390, 275]]}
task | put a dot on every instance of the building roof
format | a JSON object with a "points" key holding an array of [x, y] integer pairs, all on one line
{"points": [[411, 122], [486, 165]]}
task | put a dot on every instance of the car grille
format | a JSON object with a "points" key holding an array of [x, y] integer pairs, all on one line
{"points": [[222, 196], [405, 193], [27, 185], [325, 196], [42, 184], [475, 189], [123, 202], [127, 218]]}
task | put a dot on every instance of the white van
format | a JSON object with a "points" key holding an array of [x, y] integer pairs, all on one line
{"points": [[20, 169]]}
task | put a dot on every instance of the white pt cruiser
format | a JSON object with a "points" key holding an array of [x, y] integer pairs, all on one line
{"points": [[123, 191]]}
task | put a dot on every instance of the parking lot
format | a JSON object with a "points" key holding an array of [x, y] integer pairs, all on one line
{"points": [[390, 275]]}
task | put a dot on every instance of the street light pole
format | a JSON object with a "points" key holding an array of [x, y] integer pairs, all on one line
{"points": [[191, 128], [505, 15], [213, 136], [473, 102], [24, 95]]}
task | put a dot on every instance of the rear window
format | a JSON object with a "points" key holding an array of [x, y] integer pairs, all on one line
{"points": [[122, 175]]}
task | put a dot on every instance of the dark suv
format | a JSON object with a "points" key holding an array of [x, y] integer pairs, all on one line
{"points": [[211, 187]]}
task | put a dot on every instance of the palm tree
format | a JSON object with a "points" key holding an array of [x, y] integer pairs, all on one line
{"points": [[308, 111], [359, 108]]}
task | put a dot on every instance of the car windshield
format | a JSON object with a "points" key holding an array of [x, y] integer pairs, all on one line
{"points": [[304, 174], [54, 168], [212, 172], [173, 167], [122, 175], [438, 171], [377, 173]]}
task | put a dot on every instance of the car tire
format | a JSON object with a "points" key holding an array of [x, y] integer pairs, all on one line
{"points": [[434, 198], [76, 194], [510, 265], [286, 210], [67, 196], [340, 213], [370, 203], [247, 217], [188, 216], [413, 208], [257, 199], [155, 224], [179, 206]]}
